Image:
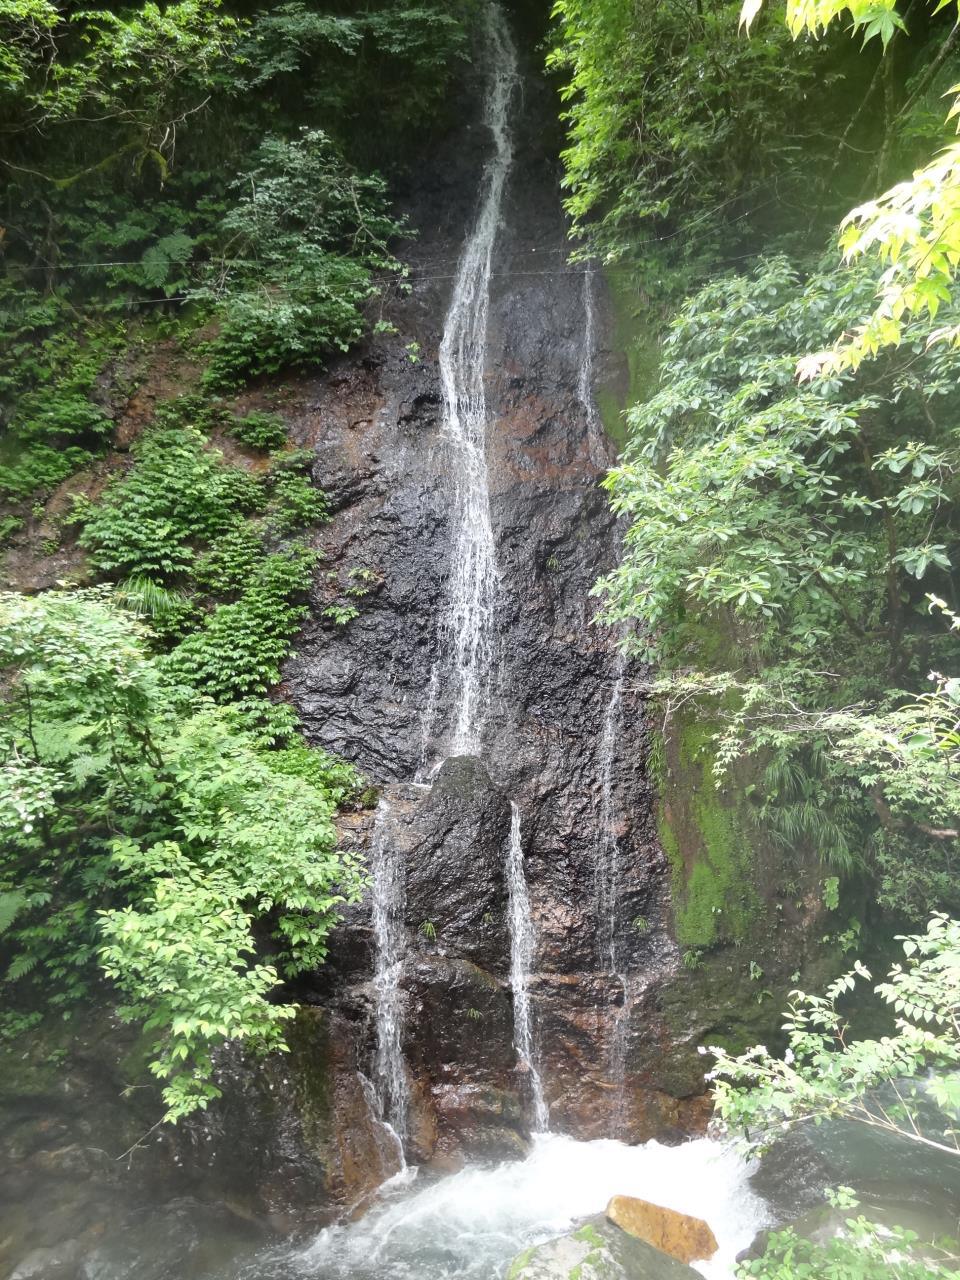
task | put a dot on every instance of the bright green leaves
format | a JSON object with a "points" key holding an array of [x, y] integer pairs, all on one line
{"points": [[147, 826], [176, 494], [869, 18], [749, 493], [826, 1074], [674, 122], [913, 229], [781, 538], [170, 836], [237, 651]]}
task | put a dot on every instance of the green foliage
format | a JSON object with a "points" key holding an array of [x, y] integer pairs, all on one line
{"points": [[149, 830], [796, 509], [238, 650], [905, 1083], [48, 370], [913, 229], [303, 238], [675, 122], [862, 1250], [259, 430], [294, 502], [176, 494], [878, 1083], [804, 526]]}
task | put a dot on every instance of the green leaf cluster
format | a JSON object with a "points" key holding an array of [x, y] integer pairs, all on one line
{"points": [[150, 832]]}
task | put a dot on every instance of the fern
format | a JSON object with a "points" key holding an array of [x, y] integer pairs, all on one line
{"points": [[11, 904]]}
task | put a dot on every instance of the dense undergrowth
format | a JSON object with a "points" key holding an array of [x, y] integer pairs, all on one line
{"points": [[789, 488], [166, 823], [210, 181], [792, 527], [197, 169]]}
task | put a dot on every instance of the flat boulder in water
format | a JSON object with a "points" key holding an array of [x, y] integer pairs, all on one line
{"points": [[597, 1250], [681, 1236]]}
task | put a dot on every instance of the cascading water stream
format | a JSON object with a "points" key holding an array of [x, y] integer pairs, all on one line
{"points": [[607, 889], [389, 1068], [466, 627], [607, 864], [522, 943], [596, 439]]}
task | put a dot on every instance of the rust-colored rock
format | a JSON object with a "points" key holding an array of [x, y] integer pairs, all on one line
{"points": [[678, 1234]]}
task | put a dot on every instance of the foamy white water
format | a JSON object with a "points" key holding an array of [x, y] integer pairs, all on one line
{"points": [[470, 1225]]}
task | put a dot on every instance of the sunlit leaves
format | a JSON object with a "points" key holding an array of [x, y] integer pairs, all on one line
{"points": [[153, 829], [870, 18]]}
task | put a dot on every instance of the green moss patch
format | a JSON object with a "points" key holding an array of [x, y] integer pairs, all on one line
{"points": [[705, 837]]}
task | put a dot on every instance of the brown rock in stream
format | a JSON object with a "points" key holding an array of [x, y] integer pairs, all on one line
{"points": [[678, 1234]]}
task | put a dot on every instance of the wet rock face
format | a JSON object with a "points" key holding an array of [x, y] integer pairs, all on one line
{"points": [[92, 1189], [377, 691]]}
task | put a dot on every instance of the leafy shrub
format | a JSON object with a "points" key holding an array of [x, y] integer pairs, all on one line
{"points": [[146, 829], [238, 651], [177, 494], [259, 430], [304, 238], [39, 468], [674, 120], [294, 501], [228, 564]]}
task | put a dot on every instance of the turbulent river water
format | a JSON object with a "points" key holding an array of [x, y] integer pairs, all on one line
{"points": [[470, 1225]]}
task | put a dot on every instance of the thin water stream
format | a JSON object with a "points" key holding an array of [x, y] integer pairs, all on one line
{"points": [[466, 626], [596, 436], [522, 944], [389, 1069]]}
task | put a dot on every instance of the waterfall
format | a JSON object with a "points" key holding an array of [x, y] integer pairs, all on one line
{"points": [[607, 893], [389, 1068], [466, 627], [522, 941], [596, 439], [607, 864], [391, 1140]]}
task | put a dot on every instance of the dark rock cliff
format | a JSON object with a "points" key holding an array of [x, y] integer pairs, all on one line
{"points": [[364, 689]]}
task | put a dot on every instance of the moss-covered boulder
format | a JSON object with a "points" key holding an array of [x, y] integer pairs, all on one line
{"points": [[597, 1250]]}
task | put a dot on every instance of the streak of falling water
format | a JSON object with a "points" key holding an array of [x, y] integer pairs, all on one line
{"points": [[392, 1141], [596, 438], [617, 1055], [607, 861], [466, 627], [522, 942], [607, 895], [388, 892]]}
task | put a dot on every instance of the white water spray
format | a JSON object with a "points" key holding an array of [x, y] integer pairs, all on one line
{"points": [[388, 893], [468, 1226], [466, 628], [522, 945]]}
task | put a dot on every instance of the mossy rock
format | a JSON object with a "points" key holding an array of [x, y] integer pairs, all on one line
{"points": [[597, 1250], [706, 836]]}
